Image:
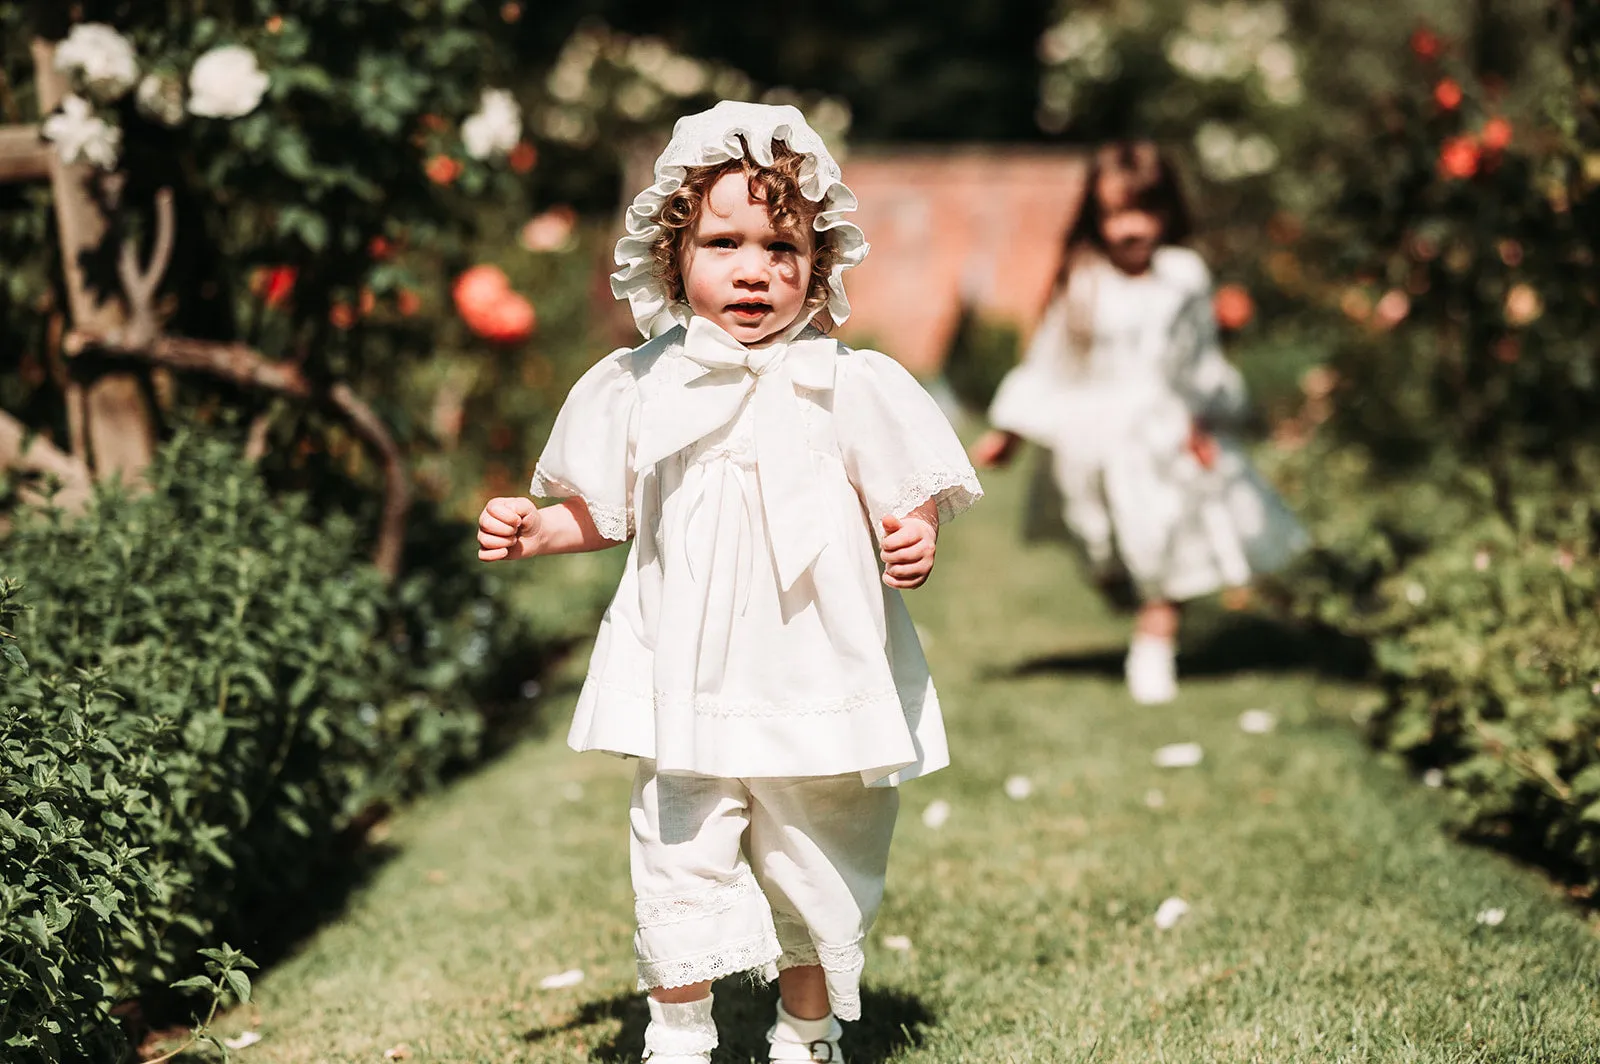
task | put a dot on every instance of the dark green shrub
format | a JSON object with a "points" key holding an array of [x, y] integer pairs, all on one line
{"points": [[256, 671], [75, 883], [981, 352]]}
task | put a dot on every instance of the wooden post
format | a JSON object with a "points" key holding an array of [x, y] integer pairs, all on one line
{"points": [[121, 429]]}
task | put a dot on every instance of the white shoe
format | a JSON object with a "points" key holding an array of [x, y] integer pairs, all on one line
{"points": [[793, 1041], [1152, 670]]}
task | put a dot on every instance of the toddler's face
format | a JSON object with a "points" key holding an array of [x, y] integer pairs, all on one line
{"points": [[1131, 235], [738, 271]]}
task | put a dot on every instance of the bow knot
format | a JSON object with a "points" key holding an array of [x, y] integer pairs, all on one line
{"points": [[763, 359], [767, 377]]}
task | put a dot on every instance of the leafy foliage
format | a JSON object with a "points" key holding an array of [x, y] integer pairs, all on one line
{"points": [[218, 688], [1450, 482]]}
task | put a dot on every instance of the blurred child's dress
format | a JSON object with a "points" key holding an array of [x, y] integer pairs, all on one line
{"points": [[1117, 373]]}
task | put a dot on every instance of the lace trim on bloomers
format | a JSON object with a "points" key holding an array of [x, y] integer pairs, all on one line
{"points": [[753, 955], [955, 491], [712, 901], [613, 522], [841, 965]]}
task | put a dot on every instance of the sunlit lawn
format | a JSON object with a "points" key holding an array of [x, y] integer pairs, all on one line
{"points": [[1331, 918]]}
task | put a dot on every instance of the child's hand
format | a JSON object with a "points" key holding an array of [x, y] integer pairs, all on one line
{"points": [[506, 529], [1202, 445], [994, 449], [907, 550]]}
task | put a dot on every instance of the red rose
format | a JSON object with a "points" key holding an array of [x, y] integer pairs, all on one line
{"points": [[479, 287], [276, 285], [1233, 306], [408, 302], [1447, 94], [523, 158], [380, 248], [1496, 134], [341, 316], [1459, 157], [1425, 44], [507, 321], [490, 308], [443, 170]]}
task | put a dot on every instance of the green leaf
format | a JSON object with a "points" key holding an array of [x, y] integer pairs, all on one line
{"points": [[239, 983], [9, 651], [194, 982], [309, 227]]}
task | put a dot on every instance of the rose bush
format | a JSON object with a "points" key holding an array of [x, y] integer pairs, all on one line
{"points": [[1448, 462]]}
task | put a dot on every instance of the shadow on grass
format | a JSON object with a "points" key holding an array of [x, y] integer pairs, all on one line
{"points": [[890, 1023], [1222, 647]]}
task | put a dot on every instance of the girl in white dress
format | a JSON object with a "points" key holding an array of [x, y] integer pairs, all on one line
{"points": [[779, 490], [1126, 387]]}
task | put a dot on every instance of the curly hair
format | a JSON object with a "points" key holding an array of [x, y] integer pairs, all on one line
{"points": [[777, 186]]}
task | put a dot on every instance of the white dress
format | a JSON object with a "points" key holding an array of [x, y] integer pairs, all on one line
{"points": [[752, 635], [1114, 409]]}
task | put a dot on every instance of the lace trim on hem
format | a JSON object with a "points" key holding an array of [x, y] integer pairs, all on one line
{"points": [[695, 905], [840, 960], [613, 522], [754, 955], [954, 490], [710, 706], [841, 967]]}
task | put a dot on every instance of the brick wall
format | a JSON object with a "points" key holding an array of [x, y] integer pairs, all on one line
{"points": [[983, 223]]}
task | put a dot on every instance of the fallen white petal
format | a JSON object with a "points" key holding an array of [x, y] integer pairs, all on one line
{"points": [[244, 1040], [937, 813], [1154, 798], [1433, 778], [1492, 917], [1171, 911], [1257, 721], [1178, 755], [562, 980], [1018, 788], [898, 943]]}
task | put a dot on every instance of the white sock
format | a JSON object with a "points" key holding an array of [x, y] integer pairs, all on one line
{"points": [[804, 1032], [680, 1030]]}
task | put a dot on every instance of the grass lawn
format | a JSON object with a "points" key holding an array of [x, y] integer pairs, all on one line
{"points": [[1331, 917]]}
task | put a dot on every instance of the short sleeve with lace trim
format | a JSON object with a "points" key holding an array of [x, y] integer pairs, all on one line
{"points": [[899, 449], [590, 452]]}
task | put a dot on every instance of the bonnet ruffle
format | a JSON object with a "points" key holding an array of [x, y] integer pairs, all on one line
{"points": [[712, 137]]}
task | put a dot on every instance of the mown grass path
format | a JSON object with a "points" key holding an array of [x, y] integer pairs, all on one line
{"points": [[1331, 919]]}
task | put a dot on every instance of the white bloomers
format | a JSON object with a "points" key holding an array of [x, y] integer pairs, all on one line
{"points": [[757, 875]]}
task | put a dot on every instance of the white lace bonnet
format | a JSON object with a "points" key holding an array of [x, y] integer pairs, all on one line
{"points": [[712, 137]]}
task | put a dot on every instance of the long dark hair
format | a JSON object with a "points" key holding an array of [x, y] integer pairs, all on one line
{"points": [[1139, 176]]}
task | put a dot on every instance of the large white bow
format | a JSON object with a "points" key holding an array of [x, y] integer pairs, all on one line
{"points": [[791, 498]]}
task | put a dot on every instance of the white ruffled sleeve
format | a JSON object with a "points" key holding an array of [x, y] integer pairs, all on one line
{"points": [[1210, 384], [1027, 402], [590, 453], [898, 447]]}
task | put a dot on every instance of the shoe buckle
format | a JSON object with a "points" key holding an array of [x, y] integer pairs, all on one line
{"points": [[825, 1044]]}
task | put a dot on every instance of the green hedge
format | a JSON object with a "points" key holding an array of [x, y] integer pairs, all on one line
{"points": [[220, 686], [1483, 611]]}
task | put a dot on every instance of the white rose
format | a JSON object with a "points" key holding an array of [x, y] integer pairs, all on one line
{"points": [[496, 126], [226, 82], [101, 57], [80, 135], [160, 99]]}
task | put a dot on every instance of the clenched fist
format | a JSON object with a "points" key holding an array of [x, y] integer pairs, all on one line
{"points": [[507, 529], [907, 550]]}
